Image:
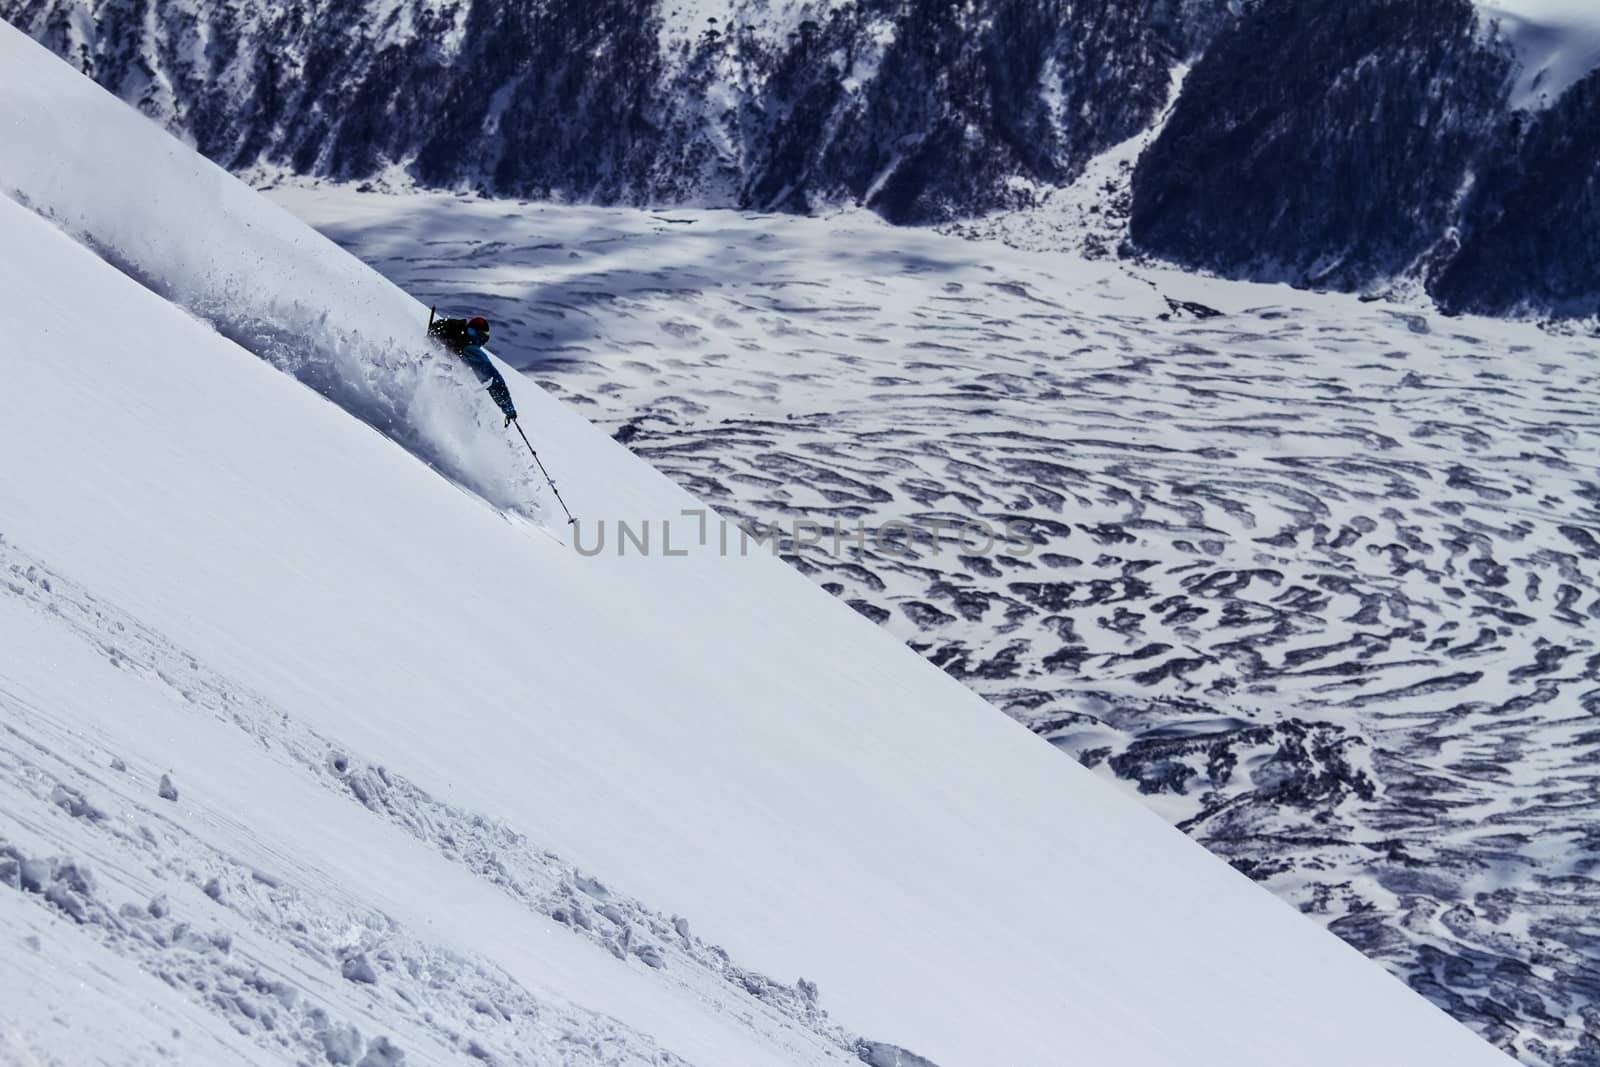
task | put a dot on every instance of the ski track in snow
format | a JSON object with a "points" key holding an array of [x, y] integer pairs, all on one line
{"points": [[285, 957], [1318, 578]]}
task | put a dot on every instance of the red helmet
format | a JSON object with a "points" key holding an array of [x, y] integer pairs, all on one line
{"points": [[479, 323]]}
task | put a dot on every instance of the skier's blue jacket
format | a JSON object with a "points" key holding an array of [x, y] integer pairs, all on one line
{"points": [[467, 342]]}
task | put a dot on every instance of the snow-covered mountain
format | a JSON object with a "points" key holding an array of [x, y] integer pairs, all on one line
{"points": [[1361, 146], [319, 746], [1317, 578]]}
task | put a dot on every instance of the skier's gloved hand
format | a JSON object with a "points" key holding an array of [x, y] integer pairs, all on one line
{"points": [[511, 416]]}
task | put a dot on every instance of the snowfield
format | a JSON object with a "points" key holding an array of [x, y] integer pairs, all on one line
{"points": [[319, 745], [1316, 578]]}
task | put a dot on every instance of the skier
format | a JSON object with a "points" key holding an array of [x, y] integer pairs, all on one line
{"points": [[466, 338]]}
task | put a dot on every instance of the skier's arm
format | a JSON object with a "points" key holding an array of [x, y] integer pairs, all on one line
{"points": [[478, 360]]}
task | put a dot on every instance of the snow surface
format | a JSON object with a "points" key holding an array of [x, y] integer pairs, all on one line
{"points": [[1557, 44], [1317, 577], [387, 706]]}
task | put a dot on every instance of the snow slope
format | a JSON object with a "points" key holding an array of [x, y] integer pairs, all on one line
{"points": [[195, 468], [1557, 44], [1316, 577], [388, 706]]}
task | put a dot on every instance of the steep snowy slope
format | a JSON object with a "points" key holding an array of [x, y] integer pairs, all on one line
{"points": [[293, 895], [1317, 577], [356, 714]]}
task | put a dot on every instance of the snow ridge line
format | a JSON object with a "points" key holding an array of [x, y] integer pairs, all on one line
{"points": [[536, 878]]}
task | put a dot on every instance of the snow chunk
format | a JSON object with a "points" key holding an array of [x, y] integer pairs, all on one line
{"points": [[341, 1044], [879, 1054], [358, 968], [75, 804], [382, 1053]]}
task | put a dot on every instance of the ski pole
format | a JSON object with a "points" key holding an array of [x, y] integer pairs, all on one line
{"points": [[570, 520]]}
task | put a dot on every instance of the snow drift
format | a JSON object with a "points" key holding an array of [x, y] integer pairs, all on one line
{"points": [[216, 578]]}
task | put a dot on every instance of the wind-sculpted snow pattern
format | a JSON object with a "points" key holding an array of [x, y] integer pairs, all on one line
{"points": [[1319, 578]]}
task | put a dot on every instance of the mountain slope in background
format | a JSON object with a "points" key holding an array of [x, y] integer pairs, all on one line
{"points": [[922, 110], [1377, 140], [1354, 146], [1327, 148], [308, 753]]}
